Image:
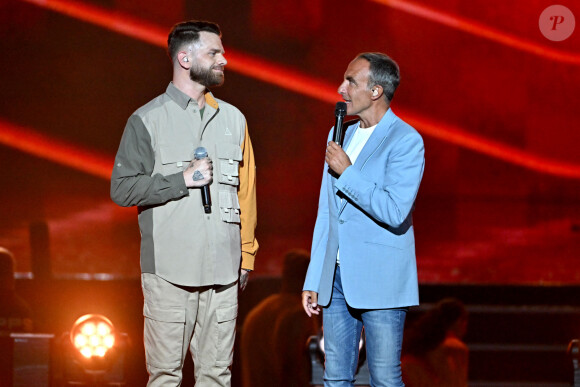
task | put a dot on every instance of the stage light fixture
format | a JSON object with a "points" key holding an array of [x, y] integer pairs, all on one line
{"points": [[92, 353], [93, 335]]}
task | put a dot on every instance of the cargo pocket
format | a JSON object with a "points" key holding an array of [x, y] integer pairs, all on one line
{"points": [[229, 157], [226, 318], [229, 206], [163, 335], [175, 158]]}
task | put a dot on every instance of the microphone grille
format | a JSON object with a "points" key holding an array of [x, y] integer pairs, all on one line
{"points": [[200, 153], [340, 108]]}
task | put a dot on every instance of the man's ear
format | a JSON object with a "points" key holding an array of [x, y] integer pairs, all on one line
{"points": [[184, 60], [376, 92]]}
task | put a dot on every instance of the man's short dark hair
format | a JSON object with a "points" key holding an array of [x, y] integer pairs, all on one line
{"points": [[383, 71], [188, 33]]}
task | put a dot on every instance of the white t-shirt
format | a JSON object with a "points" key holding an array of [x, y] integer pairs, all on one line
{"points": [[358, 141], [355, 146]]}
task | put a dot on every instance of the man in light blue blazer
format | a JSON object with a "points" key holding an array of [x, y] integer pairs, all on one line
{"points": [[362, 270]]}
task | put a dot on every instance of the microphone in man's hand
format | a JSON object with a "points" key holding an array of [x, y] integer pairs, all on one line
{"points": [[339, 113], [201, 153]]}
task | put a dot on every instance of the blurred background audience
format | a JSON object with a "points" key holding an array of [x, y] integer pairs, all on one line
{"points": [[433, 351]]}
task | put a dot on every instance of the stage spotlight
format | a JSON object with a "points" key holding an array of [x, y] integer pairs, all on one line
{"points": [[93, 353], [93, 335]]}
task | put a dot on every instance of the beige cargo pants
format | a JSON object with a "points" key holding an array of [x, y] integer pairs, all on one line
{"points": [[199, 319]]}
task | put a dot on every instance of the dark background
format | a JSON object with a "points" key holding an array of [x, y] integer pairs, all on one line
{"points": [[496, 225]]}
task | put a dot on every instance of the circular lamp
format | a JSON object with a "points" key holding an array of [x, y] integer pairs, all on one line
{"points": [[93, 335]]}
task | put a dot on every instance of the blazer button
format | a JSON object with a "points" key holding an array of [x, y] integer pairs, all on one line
{"points": [[340, 221]]}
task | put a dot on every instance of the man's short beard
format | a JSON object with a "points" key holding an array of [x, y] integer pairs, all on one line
{"points": [[205, 77]]}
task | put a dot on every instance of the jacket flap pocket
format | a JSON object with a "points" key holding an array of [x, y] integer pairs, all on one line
{"points": [[229, 207], [176, 153], [229, 157], [226, 199]]}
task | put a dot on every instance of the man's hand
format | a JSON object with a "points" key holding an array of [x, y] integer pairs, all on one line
{"points": [[336, 158], [244, 277], [310, 303], [198, 173]]}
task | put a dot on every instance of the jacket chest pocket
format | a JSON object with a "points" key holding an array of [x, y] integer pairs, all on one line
{"points": [[229, 157], [175, 157], [229, 206], [228, 162]]}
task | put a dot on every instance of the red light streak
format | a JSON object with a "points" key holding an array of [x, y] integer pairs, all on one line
{"points": [[107, 19], [60, 152], [297, 82], [495, 149], [481, 30]]}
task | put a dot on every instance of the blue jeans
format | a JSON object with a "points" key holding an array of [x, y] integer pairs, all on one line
{"points": [[342, 332]]}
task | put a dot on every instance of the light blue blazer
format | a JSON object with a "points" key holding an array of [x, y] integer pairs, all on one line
{"points": [[372, 225]]}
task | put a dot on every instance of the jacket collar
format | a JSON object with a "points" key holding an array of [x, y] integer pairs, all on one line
{"points": [[182, 99]]}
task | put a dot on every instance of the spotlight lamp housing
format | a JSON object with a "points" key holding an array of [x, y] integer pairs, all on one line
{"points": [[93, 336], [92, 353]]}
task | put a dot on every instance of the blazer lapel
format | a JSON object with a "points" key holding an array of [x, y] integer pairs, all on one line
{"points": [[375, 140]]}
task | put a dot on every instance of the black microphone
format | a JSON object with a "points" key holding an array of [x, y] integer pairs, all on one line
{"points": [[339, 113], [201, 153]]}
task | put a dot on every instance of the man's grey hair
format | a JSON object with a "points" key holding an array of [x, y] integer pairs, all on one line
{"points": [[383, 72]]}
